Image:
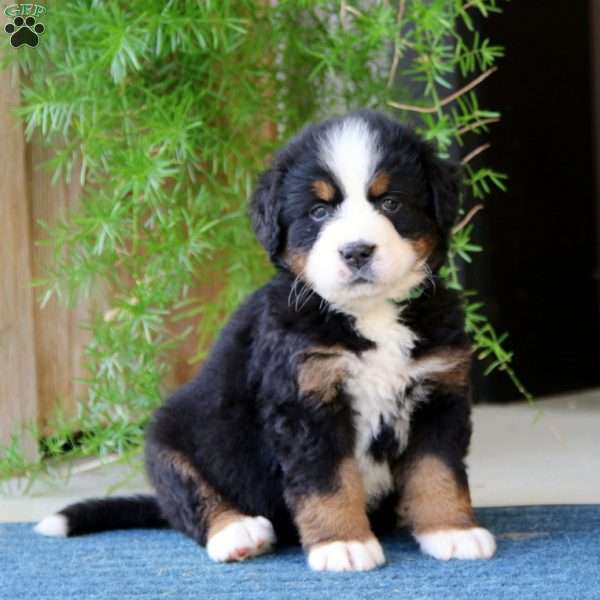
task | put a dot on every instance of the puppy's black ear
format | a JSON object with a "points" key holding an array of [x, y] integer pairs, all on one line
{"points": [[444, 180], [264, 211]]}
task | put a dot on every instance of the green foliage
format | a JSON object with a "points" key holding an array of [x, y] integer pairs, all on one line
{"points": [[166, 111]]}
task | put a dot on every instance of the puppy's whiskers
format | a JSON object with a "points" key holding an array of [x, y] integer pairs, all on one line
{"points": [[304, 296], [299, 298], [323, 305], [293, 290], [308, 297], [429, 276]]}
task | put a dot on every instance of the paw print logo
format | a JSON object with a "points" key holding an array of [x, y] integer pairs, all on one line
{"points": [[24, 31]]}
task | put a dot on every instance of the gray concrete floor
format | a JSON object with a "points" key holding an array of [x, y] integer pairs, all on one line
{"points": [[546, 454]]}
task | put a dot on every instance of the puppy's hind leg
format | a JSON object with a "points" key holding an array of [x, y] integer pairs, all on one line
{"points": [[194, 507]]}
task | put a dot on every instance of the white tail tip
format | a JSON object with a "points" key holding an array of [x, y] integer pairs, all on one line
{"points": [[53, 526]]}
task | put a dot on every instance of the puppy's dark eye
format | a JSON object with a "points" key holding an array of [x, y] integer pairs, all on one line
{"points": [[320, 212], [390, 205]]}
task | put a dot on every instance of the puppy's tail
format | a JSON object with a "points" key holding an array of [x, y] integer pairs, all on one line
{"points": [[103, 514]]}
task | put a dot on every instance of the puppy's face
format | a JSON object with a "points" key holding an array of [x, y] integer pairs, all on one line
{"points": [[358, 207]]}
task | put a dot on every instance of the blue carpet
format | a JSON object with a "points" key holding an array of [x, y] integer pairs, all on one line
{"points": [[550, 552]]}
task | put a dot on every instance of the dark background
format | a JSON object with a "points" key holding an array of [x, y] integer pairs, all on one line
{"points": [[538, 275]]}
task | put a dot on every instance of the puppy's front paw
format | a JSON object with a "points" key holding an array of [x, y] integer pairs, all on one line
{"points": [[248, 537], [346, 556], [458, 543]]}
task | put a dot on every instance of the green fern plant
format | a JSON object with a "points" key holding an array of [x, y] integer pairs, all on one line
{"points": [[166, 111]]}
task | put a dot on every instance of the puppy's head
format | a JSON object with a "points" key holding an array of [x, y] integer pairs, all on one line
{"points": [[359, 207]]}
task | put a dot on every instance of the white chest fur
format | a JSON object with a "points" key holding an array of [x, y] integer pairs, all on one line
{"points": [[377, 382]]}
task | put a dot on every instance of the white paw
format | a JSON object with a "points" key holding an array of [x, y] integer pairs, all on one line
{"points": [[458, 543], [243, 539], [53, 526], [346, 556]]}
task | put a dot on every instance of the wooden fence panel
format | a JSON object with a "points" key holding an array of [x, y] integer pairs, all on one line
{"points": [[59, 339], [18, 373], [41, 349]]}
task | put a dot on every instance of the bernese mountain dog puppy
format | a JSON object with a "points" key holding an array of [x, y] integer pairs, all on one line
{"points": [[335, 404]]}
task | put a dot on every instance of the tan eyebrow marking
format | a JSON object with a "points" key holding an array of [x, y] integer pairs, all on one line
{"points": [[324, 190], [380, 184]]}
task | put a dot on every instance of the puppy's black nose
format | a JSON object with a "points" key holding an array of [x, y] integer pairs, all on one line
{"points": [[357, 254]]}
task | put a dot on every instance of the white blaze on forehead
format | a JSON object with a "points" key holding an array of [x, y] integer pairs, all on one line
{"points": [[350, 151]]}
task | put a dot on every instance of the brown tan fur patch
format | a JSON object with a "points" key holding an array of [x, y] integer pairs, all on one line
{"points": [[181, 465], [380, 184], [296, 260], [340, 515], [448, 367], [221, 518], [323, 190], [424, 246], [433, 499], [217, 513], [322, 371]]}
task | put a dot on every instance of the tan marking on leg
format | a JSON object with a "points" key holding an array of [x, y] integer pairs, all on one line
{"points": [[432, 499], [458, 375], [380, 184], [323, 190], [338, 516], [217, 513], [448, 367], [322, 372], [220, 518], [181, 464]]}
